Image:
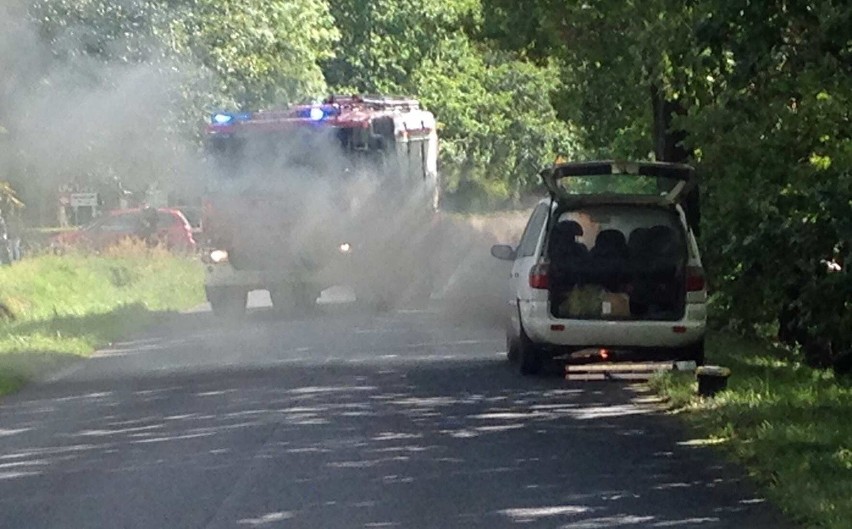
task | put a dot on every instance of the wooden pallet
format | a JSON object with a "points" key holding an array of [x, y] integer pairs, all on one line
{"points": [[620, 370]]}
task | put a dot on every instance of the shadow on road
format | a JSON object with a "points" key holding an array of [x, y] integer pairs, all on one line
{"points": [[436, 441]]}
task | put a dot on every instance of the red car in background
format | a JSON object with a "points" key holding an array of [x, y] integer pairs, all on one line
{"points": [[173, 231]]}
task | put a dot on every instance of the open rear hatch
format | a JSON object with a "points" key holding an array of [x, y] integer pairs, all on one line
{"points": [[615, 182], [616, 247]]}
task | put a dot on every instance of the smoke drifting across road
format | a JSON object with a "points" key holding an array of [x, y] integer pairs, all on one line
{"points": [[70, 115]]}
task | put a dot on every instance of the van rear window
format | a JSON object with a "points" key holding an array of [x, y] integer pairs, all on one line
{"points": [[616, 184], [618, 262], [628, 220]]}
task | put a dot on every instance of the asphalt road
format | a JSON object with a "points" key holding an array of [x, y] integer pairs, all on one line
{"points": [[349, 420]]}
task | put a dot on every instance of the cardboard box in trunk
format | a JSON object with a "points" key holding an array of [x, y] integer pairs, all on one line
{"points": [[614, 305], [594, 302]]}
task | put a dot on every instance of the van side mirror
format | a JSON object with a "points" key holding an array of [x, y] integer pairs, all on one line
{"points": [[504, 252]]}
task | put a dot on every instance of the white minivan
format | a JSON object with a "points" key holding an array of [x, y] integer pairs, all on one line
{"points": [[609, 262]]}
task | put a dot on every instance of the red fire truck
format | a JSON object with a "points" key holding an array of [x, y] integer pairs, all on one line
{"points": [[333, 193]]}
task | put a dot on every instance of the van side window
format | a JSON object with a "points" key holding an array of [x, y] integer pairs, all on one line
{"points": [[529, 240]]}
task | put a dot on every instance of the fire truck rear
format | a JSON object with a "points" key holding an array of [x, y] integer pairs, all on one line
{"points": [[336, 193]]}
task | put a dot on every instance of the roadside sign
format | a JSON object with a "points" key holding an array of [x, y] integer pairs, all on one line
{"points": [[84, 200]]}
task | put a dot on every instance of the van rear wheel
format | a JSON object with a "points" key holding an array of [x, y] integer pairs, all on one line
{"points": [[511, 350], [530, 356], [694, 352]]}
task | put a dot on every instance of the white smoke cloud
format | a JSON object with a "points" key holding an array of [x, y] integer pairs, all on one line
{"points": [[73, 117]]}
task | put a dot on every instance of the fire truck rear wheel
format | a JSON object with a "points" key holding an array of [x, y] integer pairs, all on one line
{"points": [[227, 303], [280, 299], [301, 297], [375, 302], [381, 304], [305, 297]]}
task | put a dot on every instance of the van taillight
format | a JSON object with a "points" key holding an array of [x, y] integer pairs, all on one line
{"points": [[695, 279], [538, 276]]}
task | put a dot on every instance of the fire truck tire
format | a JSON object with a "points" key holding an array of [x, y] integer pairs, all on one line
{"points": [[374, 298], [280, 300], [229, 303], [299, 297], [421, 290], [382, 304], [377, 303], [305, 297]]}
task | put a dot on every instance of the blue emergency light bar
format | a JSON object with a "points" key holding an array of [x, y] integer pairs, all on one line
{"points": [[318, 112], [229, 118]]}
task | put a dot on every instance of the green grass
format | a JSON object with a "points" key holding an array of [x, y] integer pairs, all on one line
{"points": [[65, 307], [788, 424]]}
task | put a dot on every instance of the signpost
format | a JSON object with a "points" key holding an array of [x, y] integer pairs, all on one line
{"points": [[84, 200]]}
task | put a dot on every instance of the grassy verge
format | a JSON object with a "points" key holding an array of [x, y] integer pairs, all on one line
{"points": [[788, 424], [65, 307]]}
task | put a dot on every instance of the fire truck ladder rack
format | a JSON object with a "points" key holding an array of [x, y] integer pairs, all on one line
{"points": [[375, 101], [392, 102]]}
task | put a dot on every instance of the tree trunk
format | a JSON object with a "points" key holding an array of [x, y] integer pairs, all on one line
{"points": [[669, 147], [668, 142]]}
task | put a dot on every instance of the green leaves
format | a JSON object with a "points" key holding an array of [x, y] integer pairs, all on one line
{"points": [[385, 41], [262, 52], [771, 144], [498, 126], [765, 92]]}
